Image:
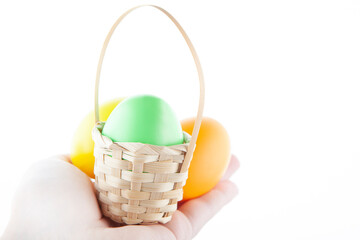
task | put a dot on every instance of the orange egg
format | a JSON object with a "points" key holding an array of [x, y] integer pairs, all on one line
{"points": [[211, 157]]}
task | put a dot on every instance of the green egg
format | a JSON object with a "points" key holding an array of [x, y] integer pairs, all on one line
{"points": [[146, 119]]}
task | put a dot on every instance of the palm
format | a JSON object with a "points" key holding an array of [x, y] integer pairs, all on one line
{"points": [[56, 200]]}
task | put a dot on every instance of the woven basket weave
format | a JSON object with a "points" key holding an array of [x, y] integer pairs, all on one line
{"points": [[139, 183]]}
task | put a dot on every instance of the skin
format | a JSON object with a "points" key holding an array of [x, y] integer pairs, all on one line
{"points": [[57, 201]]}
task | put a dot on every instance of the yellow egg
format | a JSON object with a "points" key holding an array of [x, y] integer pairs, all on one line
{"points": [[210, 159], [82, 150]]}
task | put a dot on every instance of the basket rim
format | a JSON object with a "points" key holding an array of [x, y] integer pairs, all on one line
{"points": [[99, 126]]}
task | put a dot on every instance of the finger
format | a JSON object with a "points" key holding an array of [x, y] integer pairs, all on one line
{"points": [[180, 226], [200, 210], [153, 232], [232, 168]]}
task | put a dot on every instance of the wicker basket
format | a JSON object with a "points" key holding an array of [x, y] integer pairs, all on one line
{"points": [[139, 183]]}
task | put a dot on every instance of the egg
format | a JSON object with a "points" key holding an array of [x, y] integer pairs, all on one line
{"points": [[146, 119], [210, 159], [82, 148]]}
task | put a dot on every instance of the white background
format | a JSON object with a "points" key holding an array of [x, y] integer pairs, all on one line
{"points": [[282, 76]]}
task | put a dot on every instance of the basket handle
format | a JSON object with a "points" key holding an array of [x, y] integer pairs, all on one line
{"points": [[196, 128]]}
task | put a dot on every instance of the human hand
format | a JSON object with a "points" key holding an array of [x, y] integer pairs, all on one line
{"points": [[57, 201]]}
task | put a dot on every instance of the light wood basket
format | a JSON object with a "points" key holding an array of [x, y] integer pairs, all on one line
{"points": [[139, 183]]}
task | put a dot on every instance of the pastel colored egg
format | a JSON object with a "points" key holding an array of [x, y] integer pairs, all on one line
{"points": [[146, 119], [210, 159], [82, 149]]}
